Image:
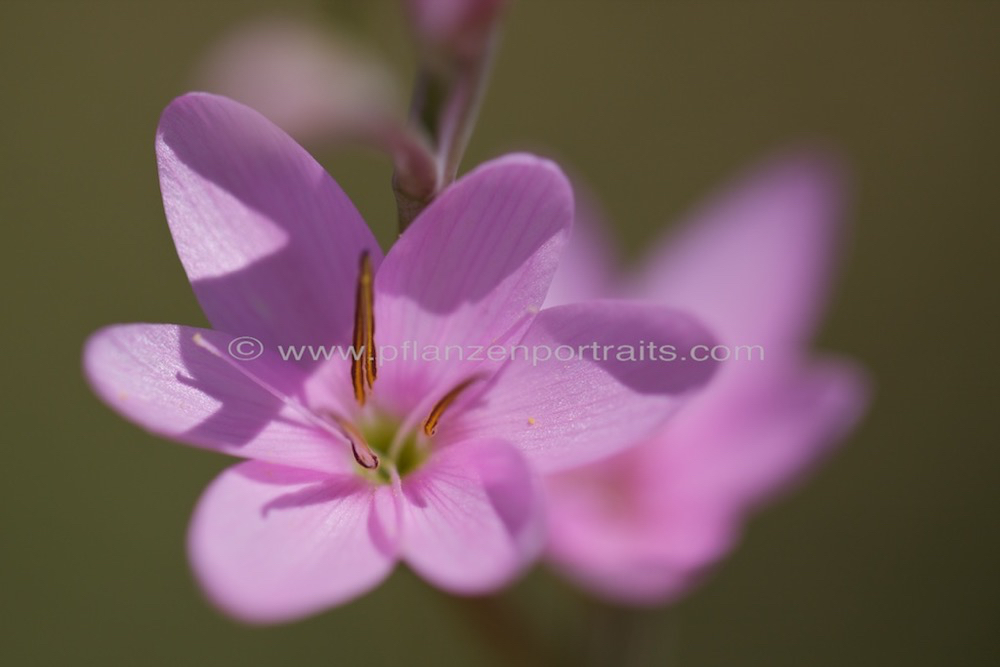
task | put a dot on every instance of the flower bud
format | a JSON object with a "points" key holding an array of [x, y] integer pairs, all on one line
{"points": [[455, 29]]}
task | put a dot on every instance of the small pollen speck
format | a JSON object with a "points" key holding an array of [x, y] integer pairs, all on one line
{"points": [[531, 421]]}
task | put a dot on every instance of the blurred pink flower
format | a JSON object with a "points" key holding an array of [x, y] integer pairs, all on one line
{"points": [[755, 265], [313, 83], [433, 463]]}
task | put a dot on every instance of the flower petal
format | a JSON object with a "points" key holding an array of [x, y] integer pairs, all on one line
{"points": [[472, 517], [158, 376], [472, 270], [269, 241], [777, 425], [271, 544], [616, 531], [587, 264], [755, 264], [313, 83], [567, 413], [644, 526]]}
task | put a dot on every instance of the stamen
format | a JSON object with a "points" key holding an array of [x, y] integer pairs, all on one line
{"points": [[363, 454], [367, 283], [430, 425], [363, 366], [365, 457]]}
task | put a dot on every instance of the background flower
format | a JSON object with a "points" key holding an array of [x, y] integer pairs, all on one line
{"points": [[756, 262], [308, 79]]}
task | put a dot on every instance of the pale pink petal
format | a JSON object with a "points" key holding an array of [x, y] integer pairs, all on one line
{"points": [[621, 529], [613, 534], [271, 544], [472, 270], [644, 526], [749, 437], [270, 243], [755, 263], [588, 263], [605, 397], [158, 377], [312, 83], [472, 517]]}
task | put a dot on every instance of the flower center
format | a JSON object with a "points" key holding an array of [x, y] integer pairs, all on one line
{"points": [[403, 451], [375, 438], [379, 439]]}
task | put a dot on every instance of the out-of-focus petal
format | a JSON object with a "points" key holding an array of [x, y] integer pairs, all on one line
{"points": [[314, 84], [269, 241], [755, 263], [751, 436], [644, 526], [472, 270], [617, 531], [271, 544], [598, 393], [473, 517], [587, 264], [158, 377]]}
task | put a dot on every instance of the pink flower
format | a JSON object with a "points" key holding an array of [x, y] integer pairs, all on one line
{"points": [[355, 465], [313, 83], [642, 527]]}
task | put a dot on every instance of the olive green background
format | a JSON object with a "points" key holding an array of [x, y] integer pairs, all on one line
{"points": [[888, 557]]}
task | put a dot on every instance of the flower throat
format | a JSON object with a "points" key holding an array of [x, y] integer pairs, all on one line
{"points": [[373, 439]]}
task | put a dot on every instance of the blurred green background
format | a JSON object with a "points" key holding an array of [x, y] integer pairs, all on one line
{"points": [[889, 556]]}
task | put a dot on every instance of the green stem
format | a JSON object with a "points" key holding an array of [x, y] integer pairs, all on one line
{"points": [[503, 631], [446, 101], [618, 636]]}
